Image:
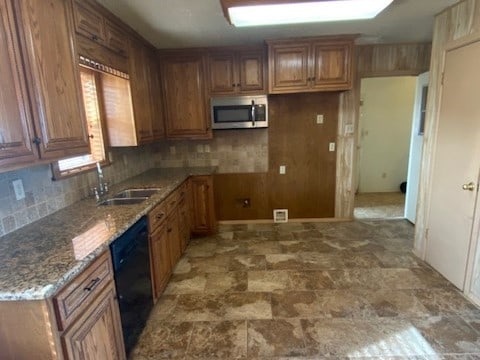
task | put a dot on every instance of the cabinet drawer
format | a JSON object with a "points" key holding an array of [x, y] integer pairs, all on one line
{"points": [[172, 201], [75, 297], [157, 216]]}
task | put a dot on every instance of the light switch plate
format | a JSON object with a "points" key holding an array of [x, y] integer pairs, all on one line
{"points": [[319, 118], [331, 146], [18, 188], [283, 169]]}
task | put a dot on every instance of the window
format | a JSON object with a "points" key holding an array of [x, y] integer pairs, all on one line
{"points": [[108, 106]]}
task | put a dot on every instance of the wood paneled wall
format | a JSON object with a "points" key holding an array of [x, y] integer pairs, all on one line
{"points": [[457, 22], [307, 189], [372, 61]]}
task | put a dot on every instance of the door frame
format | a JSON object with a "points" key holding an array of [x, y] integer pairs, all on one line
{"points": [[475, 231]]}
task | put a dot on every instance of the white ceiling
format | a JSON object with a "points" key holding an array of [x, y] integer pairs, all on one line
{"points": [[192, 23]]}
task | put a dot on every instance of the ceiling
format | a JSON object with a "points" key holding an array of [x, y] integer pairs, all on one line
{"points": [[196, 23]]}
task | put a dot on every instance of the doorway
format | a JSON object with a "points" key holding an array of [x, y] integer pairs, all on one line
{"points": [[385, 124]]}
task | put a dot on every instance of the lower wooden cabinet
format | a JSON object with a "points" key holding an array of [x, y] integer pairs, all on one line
{"points": [[82, 321], [161, 267], [170, 226], [97, 333], [203, 206]]}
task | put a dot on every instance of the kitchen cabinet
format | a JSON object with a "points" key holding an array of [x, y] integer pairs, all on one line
{"points": [[96, 334], [173, 235], [90, 23], [161, 268], [306, 65], [42, 116], [140, 91], [16, 122], [81, 321], [203, 206], [183, 86], [236, 71], [156, 101]]}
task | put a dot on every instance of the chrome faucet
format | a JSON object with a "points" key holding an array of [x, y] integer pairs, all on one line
{"points": [[102, 185]]}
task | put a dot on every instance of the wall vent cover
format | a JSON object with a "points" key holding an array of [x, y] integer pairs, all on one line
{"points": [[280, 215]]}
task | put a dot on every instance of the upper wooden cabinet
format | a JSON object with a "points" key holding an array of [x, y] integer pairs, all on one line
{"points": [[234, 71], [305, 65], [146, 96], [16, 123], [183, 83], [90, 23], [53, 77]]}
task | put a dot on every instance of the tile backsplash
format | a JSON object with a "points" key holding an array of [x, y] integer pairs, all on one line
{"points": [[44, 196], [233, 151]]}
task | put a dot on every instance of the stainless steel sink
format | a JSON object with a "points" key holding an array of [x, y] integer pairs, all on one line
{"points": [[124, 201], [132, 193]]}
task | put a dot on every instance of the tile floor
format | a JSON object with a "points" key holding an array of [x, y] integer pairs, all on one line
{"points": [[309, 291], [379, 205]]}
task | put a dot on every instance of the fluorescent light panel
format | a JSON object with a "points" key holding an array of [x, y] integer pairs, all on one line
{"points": [[306, 12]]}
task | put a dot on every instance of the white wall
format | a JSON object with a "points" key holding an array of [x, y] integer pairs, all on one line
{"points": [[384, 134]]}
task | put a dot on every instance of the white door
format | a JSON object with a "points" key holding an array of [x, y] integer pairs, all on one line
{"points": [[456, 164], [416, 143]]}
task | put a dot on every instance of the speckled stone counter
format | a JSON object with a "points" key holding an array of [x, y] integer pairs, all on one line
{"points": [[37, 260]]}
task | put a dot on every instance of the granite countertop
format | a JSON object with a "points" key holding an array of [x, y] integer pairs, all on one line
{"points": [[40, 258]]}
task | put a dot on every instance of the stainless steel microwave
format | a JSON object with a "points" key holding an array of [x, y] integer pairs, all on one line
{"points": [[241, 112]]}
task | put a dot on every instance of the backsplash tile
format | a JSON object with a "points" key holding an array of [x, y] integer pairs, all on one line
{"points": [[232, 151], [44, 196]]}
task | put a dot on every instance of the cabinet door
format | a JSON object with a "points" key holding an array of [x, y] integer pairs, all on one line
{"points": [[88, 22], [251, 71], [203, 214], [97, 334], [140, 91], [288, 67], [156, 100], [54, 76], [184, 224], [185, 101], [115, 38], [16, 132], [332, 66], [161, 267], [174, 240], [221, 75]]}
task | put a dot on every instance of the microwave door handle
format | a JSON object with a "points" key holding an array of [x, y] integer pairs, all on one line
{"points": [[253, 113]]}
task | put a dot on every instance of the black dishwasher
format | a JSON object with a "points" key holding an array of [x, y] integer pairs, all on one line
{"points": [[131, 265]]}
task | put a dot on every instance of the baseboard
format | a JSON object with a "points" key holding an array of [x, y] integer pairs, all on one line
{"points": [[270, 221]]}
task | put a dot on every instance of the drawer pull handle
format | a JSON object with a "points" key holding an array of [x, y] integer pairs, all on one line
{"points": [[159, 216], [92, 284], [169, 230]]}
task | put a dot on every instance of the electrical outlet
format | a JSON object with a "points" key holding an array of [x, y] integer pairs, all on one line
{"points": [[283, 170], [173, 150], [18, 188], [349, 129], [320, 119], [331, 146]]}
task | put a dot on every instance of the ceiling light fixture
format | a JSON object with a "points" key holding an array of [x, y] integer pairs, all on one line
{"points": [[276, 12]]}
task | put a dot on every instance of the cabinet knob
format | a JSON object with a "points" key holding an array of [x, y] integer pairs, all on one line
{"points": [[94, 37], [233, 85], [36, 140], [238, 85], [169, 230]]}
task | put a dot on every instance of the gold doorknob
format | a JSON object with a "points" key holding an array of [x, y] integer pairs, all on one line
{"points": [[470, 186]]}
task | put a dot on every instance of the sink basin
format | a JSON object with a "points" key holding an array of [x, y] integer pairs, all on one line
{"points": [[124, 201], [133, 193]]}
